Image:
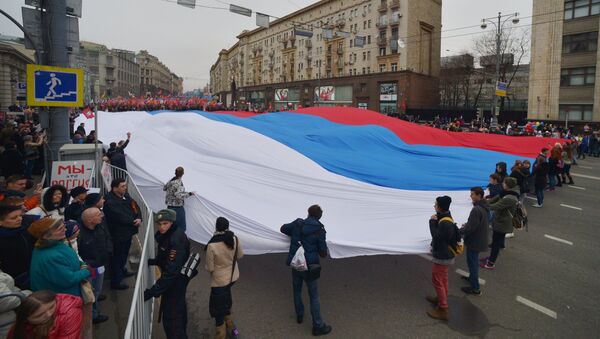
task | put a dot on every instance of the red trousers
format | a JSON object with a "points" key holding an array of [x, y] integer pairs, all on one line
{"points": [[439, 277]]}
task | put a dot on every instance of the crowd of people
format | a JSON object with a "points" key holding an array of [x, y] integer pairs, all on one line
{"points": [[56, 245]]}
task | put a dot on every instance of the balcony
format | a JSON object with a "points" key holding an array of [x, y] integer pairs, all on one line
{"points": [[383, 7], [340, 63], [340, 23], [394, 4], [395, 21], [309, 44], [382, 41], [340, 50], [110, 65]]}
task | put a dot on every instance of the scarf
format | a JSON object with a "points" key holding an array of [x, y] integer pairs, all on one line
{"points": [[226, 237]]}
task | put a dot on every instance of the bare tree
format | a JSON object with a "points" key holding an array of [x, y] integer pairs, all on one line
{"points": [[514, 49]]}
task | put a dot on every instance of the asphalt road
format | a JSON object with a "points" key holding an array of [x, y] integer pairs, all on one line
{"points": [[383, 296]]}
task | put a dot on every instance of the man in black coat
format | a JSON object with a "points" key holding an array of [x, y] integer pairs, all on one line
{"points": [[95, 248], [475, 232], [123, 219], [11, 161], [173, 252]]}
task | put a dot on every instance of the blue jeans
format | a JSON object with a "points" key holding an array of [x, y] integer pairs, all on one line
{"points": [[118, 260], [473, 263], [97, 286], [552, 178], [180, 221], [539, 194], [313, 293]]}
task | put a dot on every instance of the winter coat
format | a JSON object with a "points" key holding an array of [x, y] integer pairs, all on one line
{"points": [[73, 211], [68, 319], [219, 262], [442, 235], [120, 214], [503, 172], [475, 231], [16, 247], [173, 252], [8, 304], [11, 162], [95, 246], [56, 267], [540, 172], [504, 207], [521, 176], [118, 160], [176, 193], [311, 233]]}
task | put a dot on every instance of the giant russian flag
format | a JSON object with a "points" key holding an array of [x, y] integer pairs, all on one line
{"points": [[375, 177]]}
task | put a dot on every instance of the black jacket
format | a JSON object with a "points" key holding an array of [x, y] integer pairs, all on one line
{"points": [[540, 172], [475, 231], [442, 235], [173, 252], [11, 162], [95, 246], [120, 214], [16, 247], [73, 211]]}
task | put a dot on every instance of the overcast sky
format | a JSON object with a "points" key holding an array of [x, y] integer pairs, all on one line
{"points": [[188, 41]]}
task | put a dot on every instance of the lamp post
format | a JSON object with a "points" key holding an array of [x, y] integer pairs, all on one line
{"points": [[498, 22]]}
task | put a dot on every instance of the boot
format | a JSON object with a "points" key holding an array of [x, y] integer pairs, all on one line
{"points": [[221, 332], [231, 329], [433, 300], [438, 313]]}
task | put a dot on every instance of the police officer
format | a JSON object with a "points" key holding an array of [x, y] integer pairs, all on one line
{"points": [[173, 252]]}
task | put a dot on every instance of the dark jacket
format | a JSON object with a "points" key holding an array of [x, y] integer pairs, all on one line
{"points": [[311, 233], [11, 162], [95, 246], [120, 214], [521, 176], [495, 190], [442, 235], [540, 172], [73, 211], [504, 207], [475, 231], [503, 171], [16, 247], [553, 166], [173, 252], [118, 160]]}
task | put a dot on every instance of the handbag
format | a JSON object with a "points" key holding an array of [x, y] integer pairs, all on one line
{"points": [[190, 268], [87, 292]]}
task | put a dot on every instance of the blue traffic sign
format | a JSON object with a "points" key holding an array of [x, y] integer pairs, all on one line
{"points": [[54, 86]]}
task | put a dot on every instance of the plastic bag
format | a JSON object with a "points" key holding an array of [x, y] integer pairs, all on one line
{"points": [[299, 261]]}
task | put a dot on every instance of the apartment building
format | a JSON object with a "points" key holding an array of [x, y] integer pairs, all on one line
{"points": [[156, 78], [378, 54], [563, 82]]}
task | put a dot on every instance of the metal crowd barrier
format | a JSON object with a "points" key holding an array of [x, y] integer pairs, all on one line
{"points": [[139, 323]]}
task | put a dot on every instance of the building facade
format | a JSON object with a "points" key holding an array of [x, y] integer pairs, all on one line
{"points": [[156, 78], [13, 70], [127, 73], [563, 82], [378, 54]]}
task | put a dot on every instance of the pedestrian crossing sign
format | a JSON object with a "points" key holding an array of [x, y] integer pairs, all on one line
{"points": [[54, 86]]}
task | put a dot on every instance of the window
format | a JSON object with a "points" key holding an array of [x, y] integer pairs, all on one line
{"points": [[368, 40], [364, 71], [382, 67], [351, 43], [581, 8], [364, 56], [382, 51], [369, 55], [364, 25], [582, 76], [576, 112], [394, 67], [368, 69], [369, 25], [585, 42]]}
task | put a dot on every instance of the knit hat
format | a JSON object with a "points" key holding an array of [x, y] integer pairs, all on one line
{"points": [[92, 199], [510, 182], [166, 215], [77, 191], [39, 227], [443, 202], [72, 227]]}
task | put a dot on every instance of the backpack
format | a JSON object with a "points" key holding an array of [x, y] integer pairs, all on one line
{"points": [[519, 219], [457, 245]]}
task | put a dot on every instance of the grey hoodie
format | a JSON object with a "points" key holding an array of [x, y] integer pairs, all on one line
{"points": [[475, 231]]}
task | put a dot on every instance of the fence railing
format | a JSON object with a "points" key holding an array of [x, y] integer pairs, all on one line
{"points": [[139, 323]]}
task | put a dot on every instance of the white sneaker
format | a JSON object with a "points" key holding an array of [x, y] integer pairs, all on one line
{"points": [[509, 235], [536, 205]]}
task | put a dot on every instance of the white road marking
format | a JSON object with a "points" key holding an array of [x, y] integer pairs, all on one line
{"points": [[532, 198], [586, 167], [558, 239], [585, 176], [537, 307], [426, 256], [466, 274], [577, 187], [573, 207]]}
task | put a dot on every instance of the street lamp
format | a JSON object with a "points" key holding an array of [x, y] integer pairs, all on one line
{"points": [[499, 25]]}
